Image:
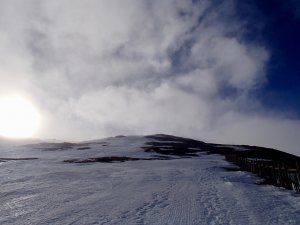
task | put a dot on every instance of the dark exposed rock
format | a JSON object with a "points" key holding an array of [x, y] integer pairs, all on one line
{"points": [[112, 159], [83, 148], [15, 159]]}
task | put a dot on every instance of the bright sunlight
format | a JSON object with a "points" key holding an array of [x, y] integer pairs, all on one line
{"points": [[18, 117]]}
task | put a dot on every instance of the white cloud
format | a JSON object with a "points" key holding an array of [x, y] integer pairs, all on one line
{"points": [[101, 68], [259, 130]]}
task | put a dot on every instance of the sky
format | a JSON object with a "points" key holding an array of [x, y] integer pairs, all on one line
{"points": [[218, 71]]}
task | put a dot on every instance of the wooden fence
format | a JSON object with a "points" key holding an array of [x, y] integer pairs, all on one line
{"points": [[279, 173]]}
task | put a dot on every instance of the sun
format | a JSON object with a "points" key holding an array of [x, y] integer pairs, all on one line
{"points": [[18, 117]]}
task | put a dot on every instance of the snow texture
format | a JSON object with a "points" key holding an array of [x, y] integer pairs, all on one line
{"points": [[194, 190]]}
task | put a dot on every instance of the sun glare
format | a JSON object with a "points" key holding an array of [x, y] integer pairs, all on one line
{"points": [[18, 117]]}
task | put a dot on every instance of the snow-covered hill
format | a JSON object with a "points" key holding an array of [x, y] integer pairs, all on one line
{"points": [[156, 179], [6, 142]]}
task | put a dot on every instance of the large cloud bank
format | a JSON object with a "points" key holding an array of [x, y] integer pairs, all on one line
{"points": [[99, 68]]}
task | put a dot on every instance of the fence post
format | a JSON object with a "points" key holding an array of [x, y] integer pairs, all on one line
{"points": [[298, 176]]}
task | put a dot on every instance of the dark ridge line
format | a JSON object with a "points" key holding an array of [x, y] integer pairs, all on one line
{"points": [[250, 151]]}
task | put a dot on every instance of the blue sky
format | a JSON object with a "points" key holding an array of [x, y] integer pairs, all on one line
{"points": [[276, 24], [219, 71]]}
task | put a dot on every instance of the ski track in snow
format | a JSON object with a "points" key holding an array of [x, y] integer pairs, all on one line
{"points": [[182, 191]]}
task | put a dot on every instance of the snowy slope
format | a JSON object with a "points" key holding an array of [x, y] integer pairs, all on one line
{"points": [[191, 187]]}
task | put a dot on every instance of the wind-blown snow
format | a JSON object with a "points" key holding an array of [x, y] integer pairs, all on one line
{"points": [[179, 191]]}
